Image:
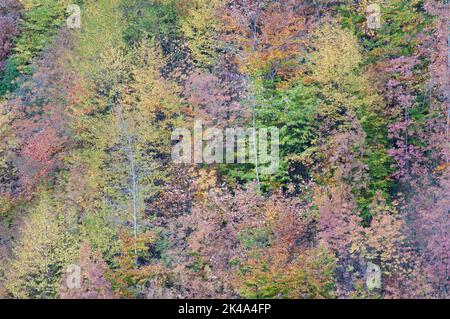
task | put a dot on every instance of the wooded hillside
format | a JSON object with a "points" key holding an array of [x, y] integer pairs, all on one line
{"points": [[88, 180]]}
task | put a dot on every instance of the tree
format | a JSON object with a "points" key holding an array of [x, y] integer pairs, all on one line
{"points": [[9, 19], [9, 14], [309, 276], [340, 231], [428, 211], [268, 33], [147, 144], [38, 124], [439, 82], [41, 20], [45, 248], [201, 27], [350, 111], [211, 101]]}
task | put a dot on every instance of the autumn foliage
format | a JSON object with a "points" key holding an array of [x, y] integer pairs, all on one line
{"points": [[87, 179]]}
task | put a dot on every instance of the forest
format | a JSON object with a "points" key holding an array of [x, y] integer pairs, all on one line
{"points": [[356, 94]]}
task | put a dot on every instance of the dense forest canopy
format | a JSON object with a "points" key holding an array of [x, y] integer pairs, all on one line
{"points": [[355, 92]]}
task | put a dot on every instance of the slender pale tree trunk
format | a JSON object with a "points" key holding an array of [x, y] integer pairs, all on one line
{"points": [[254, 133], [255, 148], [447, 93], [133, 175], [248, 82]]}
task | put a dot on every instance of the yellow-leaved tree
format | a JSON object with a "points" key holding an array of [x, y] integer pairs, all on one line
{"points": [[201, 27], [46, 246]]}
